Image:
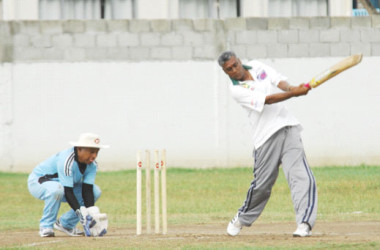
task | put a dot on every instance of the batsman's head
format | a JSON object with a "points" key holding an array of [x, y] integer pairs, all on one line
{"points": [[231, 65], [87, 147]]}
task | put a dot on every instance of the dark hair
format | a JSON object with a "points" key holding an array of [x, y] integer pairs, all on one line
{"points": [[225, 56]]}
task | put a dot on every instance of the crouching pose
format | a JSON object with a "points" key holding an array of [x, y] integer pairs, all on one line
{"points": [[69, 176]]}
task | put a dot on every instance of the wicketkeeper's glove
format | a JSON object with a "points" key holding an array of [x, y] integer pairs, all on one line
{"points": [[86, 220], [101, 219]]}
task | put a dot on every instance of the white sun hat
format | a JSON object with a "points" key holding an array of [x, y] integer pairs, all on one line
{"points": [[88, 140]]}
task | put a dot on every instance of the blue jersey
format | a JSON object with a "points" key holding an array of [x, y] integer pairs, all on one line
{"points": [[64, 168]]}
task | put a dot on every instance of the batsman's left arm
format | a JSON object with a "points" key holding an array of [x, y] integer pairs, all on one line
{"points": [[284, 85]]}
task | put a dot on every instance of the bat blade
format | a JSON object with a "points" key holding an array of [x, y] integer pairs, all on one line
{"points": [[335, 70]]}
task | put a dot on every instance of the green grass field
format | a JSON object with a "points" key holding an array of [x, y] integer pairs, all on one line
{"points": [[206, 196]]}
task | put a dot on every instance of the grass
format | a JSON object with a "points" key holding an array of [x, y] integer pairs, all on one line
{"points": [[206, 196]]}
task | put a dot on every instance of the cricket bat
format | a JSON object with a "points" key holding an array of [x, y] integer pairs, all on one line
{"points": [[334, 70]]}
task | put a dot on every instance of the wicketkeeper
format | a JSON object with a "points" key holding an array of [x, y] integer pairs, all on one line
{"points": [[69, 176]]}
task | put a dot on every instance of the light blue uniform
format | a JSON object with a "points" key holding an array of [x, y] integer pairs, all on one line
{"points": [[47, 181]]}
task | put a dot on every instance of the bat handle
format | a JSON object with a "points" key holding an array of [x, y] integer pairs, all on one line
{"points": [[307, 85]]}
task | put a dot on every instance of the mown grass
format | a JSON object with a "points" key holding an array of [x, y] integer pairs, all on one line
{"points": [[206, 196]]}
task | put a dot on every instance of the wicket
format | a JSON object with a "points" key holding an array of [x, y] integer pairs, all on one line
{"points": [[159, 166]]}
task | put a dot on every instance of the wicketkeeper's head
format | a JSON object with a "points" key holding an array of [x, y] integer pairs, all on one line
{"points": [[87, 147], [88, 140]]}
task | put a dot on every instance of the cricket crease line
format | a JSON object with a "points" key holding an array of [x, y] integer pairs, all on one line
{"points": [[41, 243]]}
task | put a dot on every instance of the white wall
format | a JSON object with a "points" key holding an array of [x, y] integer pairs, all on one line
{"points": [[20, 9], [184, 107], [340, 8], [157, 9], [164, 9], [265, 8], [256, 8], [6, 117]]}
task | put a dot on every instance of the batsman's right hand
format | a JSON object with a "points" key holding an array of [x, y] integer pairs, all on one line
{"points": [[86, 220], [299, 90]]}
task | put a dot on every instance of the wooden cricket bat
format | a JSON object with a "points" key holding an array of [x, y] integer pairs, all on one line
{"points": [[334, 70]]}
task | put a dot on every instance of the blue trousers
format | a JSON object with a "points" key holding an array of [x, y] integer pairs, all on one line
{"points": [[52, 193]]}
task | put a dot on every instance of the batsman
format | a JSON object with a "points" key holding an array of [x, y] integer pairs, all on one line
{"points": [[261, 90], [69, 176]]}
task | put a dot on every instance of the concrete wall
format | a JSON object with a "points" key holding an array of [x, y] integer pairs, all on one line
{"points": [[183, 39], [160, 87]]}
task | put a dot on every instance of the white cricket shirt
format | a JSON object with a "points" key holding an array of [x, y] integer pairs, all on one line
{"points": [[265, 119]]}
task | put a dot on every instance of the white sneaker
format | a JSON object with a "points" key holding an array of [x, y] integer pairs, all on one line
{"points": [[303, 230], [72, 232], [46, 232], [234, 226]]}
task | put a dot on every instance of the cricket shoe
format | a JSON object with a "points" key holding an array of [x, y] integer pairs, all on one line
{"points": [[303, 230], [234, 226], [72, 232], [46, 232]]}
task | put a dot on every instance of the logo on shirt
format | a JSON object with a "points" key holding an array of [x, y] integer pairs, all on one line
{"points": [[247, 86], [262, 75]]}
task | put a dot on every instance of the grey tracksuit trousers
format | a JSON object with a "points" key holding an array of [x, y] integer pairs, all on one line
{"points": [[282, 148]]}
